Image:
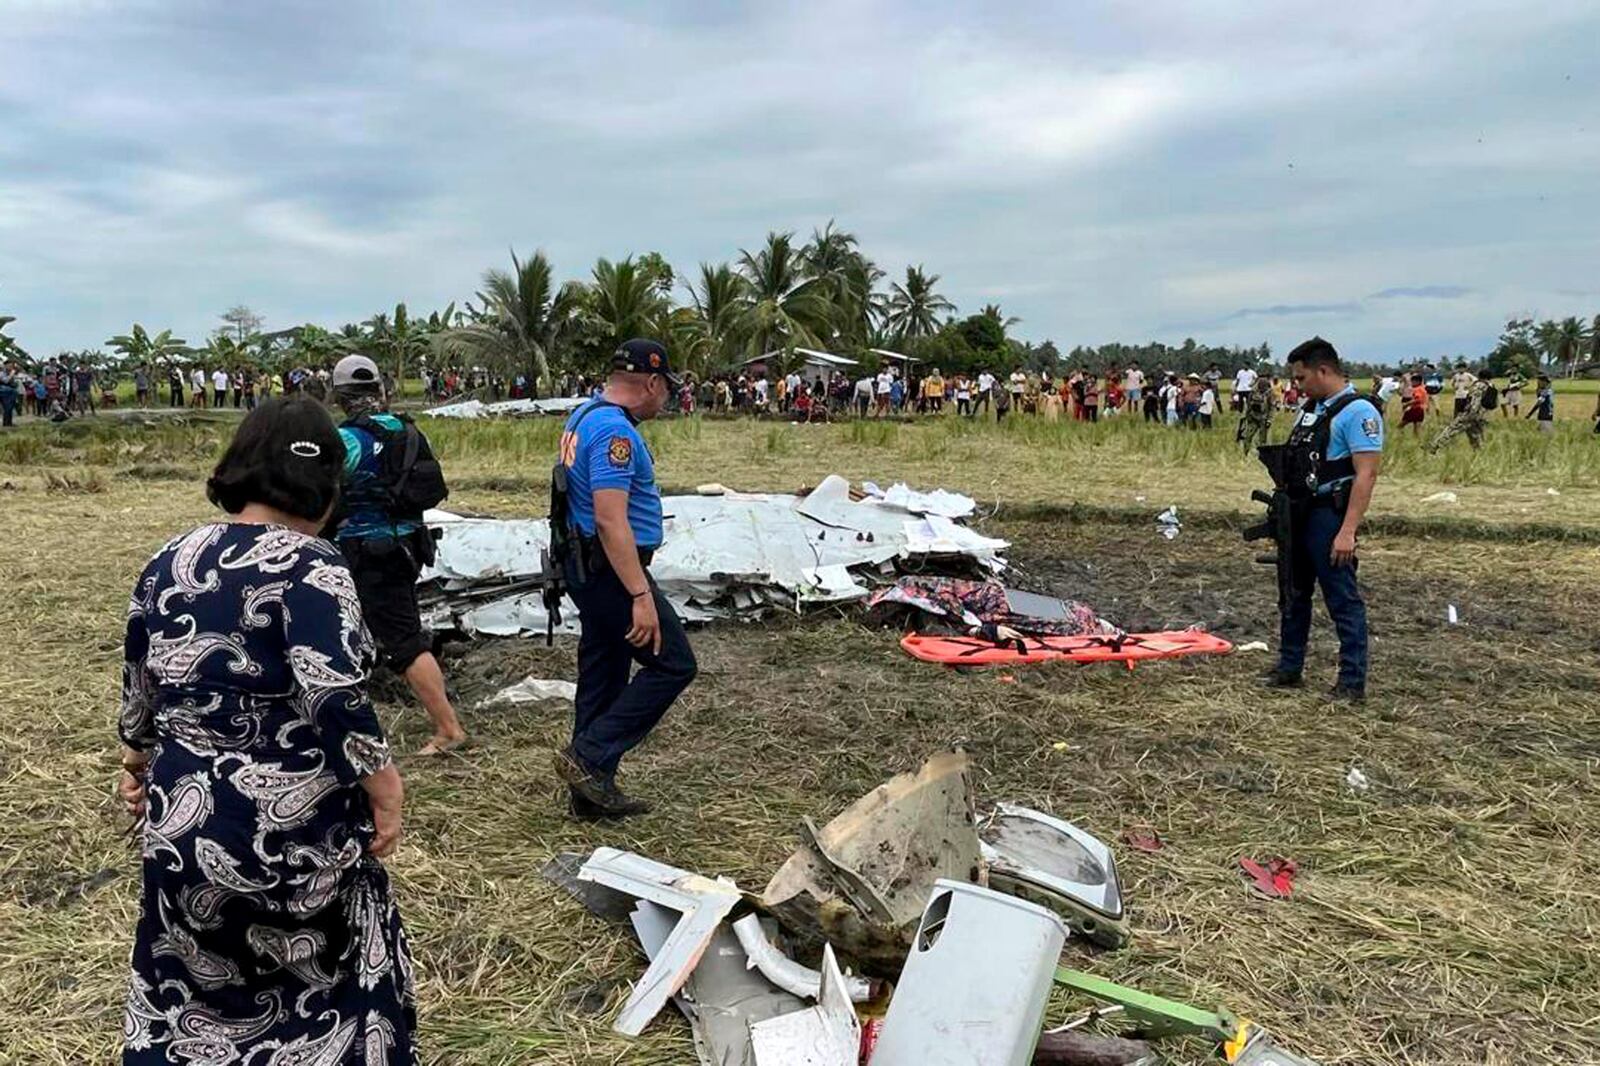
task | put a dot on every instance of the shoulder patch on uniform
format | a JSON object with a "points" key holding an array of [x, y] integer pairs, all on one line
{"points": [[620, 451], [1370, 427]]}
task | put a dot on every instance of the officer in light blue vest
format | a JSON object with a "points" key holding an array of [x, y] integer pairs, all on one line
{"points": [[612, 514], [1333, 455]]}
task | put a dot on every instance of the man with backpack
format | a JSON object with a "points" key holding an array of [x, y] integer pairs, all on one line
{"points": [[390, 478], [605, 527]]}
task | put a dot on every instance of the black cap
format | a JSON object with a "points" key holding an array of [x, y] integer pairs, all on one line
{"points": [[644, 356]]}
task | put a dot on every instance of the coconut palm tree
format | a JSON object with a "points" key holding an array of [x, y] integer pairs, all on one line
{"points": [[523, 319], [993, 311], [721, 307], [834, 257], [627, 299], [1562, 342], [786, 307], [914, 307]]}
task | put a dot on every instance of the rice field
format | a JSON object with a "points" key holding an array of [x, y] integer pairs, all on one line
{"points": [[1442, 916]]}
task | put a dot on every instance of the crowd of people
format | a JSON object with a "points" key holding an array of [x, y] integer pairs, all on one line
{"points": [[59, 389]]}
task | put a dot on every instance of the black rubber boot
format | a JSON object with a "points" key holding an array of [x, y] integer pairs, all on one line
{"points": [[1348, 694]]}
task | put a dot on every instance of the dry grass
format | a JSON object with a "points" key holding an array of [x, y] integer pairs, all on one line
{"points": [[1443, 917]]}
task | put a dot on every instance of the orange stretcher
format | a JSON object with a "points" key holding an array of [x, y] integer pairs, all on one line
{"points": [[1128, 648]]}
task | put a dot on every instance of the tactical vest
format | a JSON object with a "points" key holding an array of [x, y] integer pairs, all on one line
{"points": [[1306, 465]]}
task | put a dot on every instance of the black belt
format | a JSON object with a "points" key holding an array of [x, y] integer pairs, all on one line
{"points": [[594, 553]]}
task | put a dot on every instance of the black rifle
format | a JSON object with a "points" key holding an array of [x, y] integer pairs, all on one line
{"points": [[1279, 522]]}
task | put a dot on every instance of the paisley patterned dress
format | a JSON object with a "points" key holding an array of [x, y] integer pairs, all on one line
{"points": [[268, 936]]}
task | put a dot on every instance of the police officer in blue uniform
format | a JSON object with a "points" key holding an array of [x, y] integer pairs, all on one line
{"points": [[1333, 454], [614, 521]]}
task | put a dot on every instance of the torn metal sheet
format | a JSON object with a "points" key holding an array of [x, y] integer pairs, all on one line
{"points": [[783, 971], [701, 903], [899, 839], [724, 996], [733, 555], [939, 502], [828, 1034], [551, 405], [602, 902]]}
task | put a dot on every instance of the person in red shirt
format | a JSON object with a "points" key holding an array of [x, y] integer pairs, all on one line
{"points": [[1417, 401], [1113, 394]]}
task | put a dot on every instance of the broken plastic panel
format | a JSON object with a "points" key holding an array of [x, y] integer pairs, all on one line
{"points": [[1038, 857], [976, 983]]}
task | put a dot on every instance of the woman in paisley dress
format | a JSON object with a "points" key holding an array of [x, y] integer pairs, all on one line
{"points": [[268, 935]]}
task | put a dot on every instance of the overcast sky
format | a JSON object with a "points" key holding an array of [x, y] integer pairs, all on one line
{"points": [[1399, 177]]}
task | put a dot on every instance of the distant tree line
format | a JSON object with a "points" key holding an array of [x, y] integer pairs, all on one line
{"points": [[784, 294]]}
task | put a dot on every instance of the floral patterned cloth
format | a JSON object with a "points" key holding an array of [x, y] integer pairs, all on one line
{"points": [[268, 935], [968, 605]]}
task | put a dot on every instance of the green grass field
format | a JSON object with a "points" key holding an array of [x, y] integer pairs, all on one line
{"points": [[1445, 916]]}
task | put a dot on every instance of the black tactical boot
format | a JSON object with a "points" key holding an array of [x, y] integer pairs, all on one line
{"points": [[1281, 679], [593, 796]]}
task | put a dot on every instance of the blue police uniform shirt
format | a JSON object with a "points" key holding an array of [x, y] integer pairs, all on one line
{"points": [[605, 451], [1355, 430], [364, 496]]}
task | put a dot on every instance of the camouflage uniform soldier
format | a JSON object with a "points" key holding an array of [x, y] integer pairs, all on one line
{"points": [[1256, 425], [1472, 420]]}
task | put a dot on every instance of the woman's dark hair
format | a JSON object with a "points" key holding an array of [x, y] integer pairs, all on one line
{"points": [[285, 454]]}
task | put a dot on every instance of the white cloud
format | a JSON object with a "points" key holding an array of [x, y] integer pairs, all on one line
{"points": [[1106, 171]]}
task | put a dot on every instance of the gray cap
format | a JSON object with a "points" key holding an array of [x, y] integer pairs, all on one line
{"points": [[356, 370]]}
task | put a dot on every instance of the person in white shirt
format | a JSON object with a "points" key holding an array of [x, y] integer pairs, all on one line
{"points": [[1243, 382], [885, 387], [1019, 384], [1169, 400], [1387, 387], [197, 387], [1133, 386], [863, 396], [219, 387], [1461, 382], [761, 391], [1208, 405], [985, 387]]}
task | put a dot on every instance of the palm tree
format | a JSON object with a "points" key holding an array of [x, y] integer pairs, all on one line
{"points": [[786, 307], [404, 340], [138, 346], [1562, 342], [833, 256], [9, 348], [627, 299], [993, 311], [914, 307], [523, 320], [721, 308]]}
